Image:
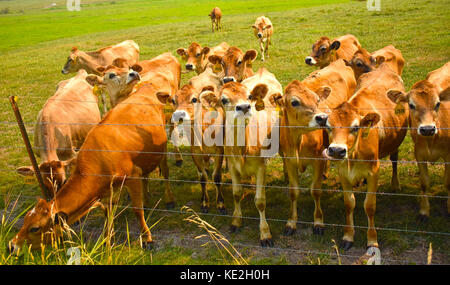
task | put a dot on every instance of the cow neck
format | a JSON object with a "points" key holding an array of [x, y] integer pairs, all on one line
{"points": [[293, 134], [88, 61]]}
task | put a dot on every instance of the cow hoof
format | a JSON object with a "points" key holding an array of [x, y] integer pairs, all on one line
{"points": [[204, 209], [317, 230], [179, 163], [170, 205], [288, 231], [266, 242], [346, 245], [147, 245], [234, 229], [422, 219], [222, 211]]}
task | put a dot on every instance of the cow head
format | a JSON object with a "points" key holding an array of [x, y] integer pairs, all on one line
{"points": [[362, 62], [302, 105], [424, 101], [118, 79], [259, 28], [39, 227], [195, 57], [322, 51], [72, 63], [234, 63], [345, 128]]}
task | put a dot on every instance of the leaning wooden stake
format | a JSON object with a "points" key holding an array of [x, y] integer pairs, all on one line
{"points": [[45, 192]]}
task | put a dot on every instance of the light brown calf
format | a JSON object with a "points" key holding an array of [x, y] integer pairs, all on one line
{"points": [[196, 56], [429, 113], [325, 51], [306, 106], [263, 30], [363, 130], [236, 65], [216, 17], [132, 141]]}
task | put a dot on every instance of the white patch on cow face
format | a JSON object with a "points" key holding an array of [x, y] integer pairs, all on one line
{"points": [[243, 109], [132, 75], [310, 60]]}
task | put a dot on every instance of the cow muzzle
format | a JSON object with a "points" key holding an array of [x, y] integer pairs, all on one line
{"points": [[228, 79], [309, 60], [260, 35], [190, 66], [321, 119], [427, 131], [335, 152], [63, 71], [133, 76]]}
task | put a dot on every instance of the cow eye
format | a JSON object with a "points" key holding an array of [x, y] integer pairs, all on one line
{"points": [[436, 108], [111, 75], [359, 64], [411, 106], [34, 229], [239, 62], [295, 103], [194, 100], [198, 55], [322, 49], [224, 101]]}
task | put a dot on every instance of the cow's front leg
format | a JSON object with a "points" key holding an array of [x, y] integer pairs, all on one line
{"points": [[236, 221], [316, 193], [168, 195], [217, 176], [424, 212], [200, 163], [261, 47], [349, 201], [395, 182], [370, 207], [260, 202], [294, 191], [267, 47]]}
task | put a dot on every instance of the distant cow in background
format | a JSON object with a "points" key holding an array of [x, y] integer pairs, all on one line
{"points": [[325, 51], [263, 30], [216, 17]]}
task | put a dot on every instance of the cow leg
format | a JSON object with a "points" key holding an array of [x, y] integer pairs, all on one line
{"points": [[168, 195], [267, 47], [135, 187], [447, 185], [178, 155], [349, 201], [395, 182], [424, 212], [261, 46], [370, 207], [217, 176], [200, 163], [294, 192], [260, 202], [212, 25], [316, 192], [236, 221]]}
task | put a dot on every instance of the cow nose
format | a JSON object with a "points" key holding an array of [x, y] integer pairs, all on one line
{"points": [[259, 35], [308, 60], [228, 79], [11, 247], [63, 71], [321, 119], [337, 152], [427, 130], [244, 108], [189, 66]]}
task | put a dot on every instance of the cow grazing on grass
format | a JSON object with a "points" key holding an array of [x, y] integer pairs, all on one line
{"points": [[190, 105], [62, 126], [429, 113], [123, 148], [363, 61], [366, 128], [263, 30], [325, 51], [305, 107], [216, 18], [236, 65], [196, 56]]}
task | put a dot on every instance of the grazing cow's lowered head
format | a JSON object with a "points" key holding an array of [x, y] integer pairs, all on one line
{"points": [[118, 79], [302, 105], [424, 101], [236, 65], [345, 129], [322, 52], [195, 56], [39, 227], [72, 63]]}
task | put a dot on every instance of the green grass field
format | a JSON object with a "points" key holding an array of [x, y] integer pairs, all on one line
{"points": [[36, 41]]}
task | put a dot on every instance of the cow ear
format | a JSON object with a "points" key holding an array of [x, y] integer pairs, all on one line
{"points": [[215, 59], [181, 51], [164, 97], [60, 218], [209, 99], [93, 79], [254, 27], [25, 170], [369, 120], [267, 27], [137, 68], [101, 69], [250, 55], [324, 92], [119, 62], [208, 88], [373, 61], [379, 60], [335, 45], [445, 95], [206, 50], [259, 92], [276, 99], [74, 49], [397, 96]]}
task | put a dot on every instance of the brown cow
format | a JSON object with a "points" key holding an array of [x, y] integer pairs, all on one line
{"points": [[216, 17], [429, 113], [363, 130], [363, 62], [263, 30], [236, 65], [61, 127], [325, 51], [306, 106], [196, 56], [133, 142], [197, 120]]}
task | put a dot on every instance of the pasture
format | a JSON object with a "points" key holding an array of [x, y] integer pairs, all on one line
{"points": [[36, 42]]}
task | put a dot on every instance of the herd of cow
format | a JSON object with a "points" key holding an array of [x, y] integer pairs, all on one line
{"points": [[352, 112]]}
